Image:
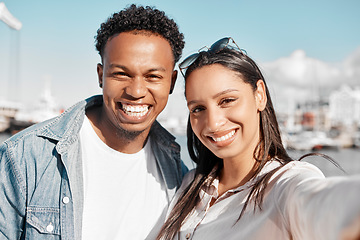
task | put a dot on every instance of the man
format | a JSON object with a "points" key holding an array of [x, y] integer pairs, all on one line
{"points": [[105, 168]]}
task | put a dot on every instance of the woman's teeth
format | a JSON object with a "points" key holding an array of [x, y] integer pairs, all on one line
{"points": [[225, 137]]}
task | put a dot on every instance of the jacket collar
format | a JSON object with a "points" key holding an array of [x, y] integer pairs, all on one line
{"points": [[65, 128]]}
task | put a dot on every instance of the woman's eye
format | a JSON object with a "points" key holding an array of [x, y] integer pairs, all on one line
{"points": [[227, 100]]}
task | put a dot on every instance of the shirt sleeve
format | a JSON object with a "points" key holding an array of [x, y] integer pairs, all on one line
{"points": [[315, 207], [12, 197]]}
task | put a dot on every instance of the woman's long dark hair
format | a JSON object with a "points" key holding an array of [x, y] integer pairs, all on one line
{"points": [[269, 147]]}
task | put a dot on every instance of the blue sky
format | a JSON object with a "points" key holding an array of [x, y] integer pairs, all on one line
{"points": [[57, 39]]}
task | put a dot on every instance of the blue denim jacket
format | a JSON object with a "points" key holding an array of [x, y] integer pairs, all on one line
{"points": [[41, 188]]}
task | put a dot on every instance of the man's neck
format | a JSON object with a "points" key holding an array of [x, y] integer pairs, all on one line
{"points": [[115, 138]]}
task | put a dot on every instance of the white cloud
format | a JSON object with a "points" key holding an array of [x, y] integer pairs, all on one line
{"points": [[297, 78], [298, 70]]}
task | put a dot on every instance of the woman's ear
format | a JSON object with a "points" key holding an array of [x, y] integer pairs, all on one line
{"points": [[260, 95]]}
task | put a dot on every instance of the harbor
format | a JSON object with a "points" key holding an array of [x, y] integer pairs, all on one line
{"points": [[317, 104], [306, 129], [16, 116], [348, 158]]}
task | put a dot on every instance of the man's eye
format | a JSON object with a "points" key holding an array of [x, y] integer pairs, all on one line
{"points": [[120, 74], [154, 77], [197, 109]]}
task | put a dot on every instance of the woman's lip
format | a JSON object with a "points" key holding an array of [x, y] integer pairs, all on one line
{"points": [[224, 138], [223, 135]]}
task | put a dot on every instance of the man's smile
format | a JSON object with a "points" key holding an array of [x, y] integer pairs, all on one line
{"points": [[135, 110]]}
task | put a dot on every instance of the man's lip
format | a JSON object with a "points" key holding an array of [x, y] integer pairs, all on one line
{"points": [[134, 112], [130, 107]]}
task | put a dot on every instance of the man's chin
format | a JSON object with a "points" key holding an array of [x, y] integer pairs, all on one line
{"points": [[128, 134]]}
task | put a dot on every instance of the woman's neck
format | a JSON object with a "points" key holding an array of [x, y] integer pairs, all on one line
{"points": [[235, 173]]}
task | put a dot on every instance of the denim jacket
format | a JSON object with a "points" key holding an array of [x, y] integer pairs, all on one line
{"points": [[41, 185]]}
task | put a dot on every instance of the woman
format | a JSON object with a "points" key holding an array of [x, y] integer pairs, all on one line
{"points": [[245, 185]]}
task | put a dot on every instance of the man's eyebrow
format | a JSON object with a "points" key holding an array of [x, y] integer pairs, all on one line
{"points": [[161, 69], [118, 66]]}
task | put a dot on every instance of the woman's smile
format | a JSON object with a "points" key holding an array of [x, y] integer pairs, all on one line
{"points": [[222, 139]]}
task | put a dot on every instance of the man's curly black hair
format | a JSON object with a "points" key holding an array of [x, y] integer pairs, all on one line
{"points": [[141, 18]]}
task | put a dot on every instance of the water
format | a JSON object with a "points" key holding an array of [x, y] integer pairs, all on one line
{"points": [[348, 158]]}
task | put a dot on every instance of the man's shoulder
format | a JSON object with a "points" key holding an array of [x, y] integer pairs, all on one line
{"points": [[56, 127], [166, 142], [161, 134]]}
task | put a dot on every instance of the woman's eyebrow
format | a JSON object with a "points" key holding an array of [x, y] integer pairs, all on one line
{"points": [[216, 95], [225, 92]]}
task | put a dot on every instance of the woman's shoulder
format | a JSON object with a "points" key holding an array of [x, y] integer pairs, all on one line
{"points": [[295, 170], [303, 166]]}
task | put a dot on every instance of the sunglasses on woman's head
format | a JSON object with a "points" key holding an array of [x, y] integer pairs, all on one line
{"points": [[214, 48]]}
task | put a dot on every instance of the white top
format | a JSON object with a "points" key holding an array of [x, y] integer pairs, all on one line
{"points": [[299, 204], [124, 195]]}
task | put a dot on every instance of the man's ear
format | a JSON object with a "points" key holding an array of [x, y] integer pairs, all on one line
{"points": [[260, 95], [100, 74], [173, 81]]}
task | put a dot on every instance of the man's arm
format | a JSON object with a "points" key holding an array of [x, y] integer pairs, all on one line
{"points": [[12, 195]]}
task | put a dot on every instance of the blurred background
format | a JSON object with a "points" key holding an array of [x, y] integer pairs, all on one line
{"points": [[309, 52]]}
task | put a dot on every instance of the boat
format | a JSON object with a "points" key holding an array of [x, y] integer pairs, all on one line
{"points": [[4, 124], [310, 141], [356, 139], [8, 110], [44, 109]]}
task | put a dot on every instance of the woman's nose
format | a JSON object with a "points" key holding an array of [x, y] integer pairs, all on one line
{"points": [[215, 119]]}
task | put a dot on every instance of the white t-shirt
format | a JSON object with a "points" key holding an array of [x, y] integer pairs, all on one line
{"points": [[124, 194]]}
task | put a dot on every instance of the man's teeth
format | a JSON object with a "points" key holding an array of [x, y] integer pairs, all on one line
{"points": [[135, 110], [225, 137]]}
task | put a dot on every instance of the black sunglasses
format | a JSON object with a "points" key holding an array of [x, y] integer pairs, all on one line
{"points": [[215, 48]]}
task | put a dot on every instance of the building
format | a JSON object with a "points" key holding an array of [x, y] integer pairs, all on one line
{"points": [[344, 107]]}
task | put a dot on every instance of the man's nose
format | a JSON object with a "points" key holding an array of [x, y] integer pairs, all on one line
{"points": [[136, 88]]}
